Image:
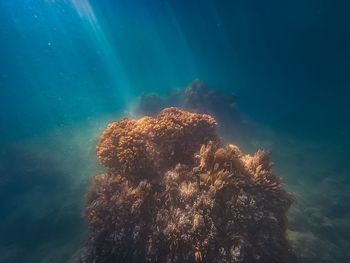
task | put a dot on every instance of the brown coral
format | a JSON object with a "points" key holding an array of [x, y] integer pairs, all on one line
{"points": [[147, 146], [208, 204], [202, 98]]}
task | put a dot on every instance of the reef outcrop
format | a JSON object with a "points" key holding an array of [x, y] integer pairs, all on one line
{"points": [[201, 98], [172, 193]]}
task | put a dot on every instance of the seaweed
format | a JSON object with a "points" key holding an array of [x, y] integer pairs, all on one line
{"points": [[173, 193], [201, 98]]}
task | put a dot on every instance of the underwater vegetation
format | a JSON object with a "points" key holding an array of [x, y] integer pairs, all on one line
{"points": [[201, 98], [172, 192]]}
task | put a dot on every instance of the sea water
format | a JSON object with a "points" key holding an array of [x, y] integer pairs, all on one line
{"points": [[69, 67]]}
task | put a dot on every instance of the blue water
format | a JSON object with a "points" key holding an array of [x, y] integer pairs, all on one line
{"points": [[68, 67]]}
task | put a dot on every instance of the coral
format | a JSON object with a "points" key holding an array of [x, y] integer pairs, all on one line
{"points": [[147, 146], [201, 98], [172, 193]]}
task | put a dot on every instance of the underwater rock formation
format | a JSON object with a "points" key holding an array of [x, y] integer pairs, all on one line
{"points": [[173, 193], [197, 97], [201, 98]]}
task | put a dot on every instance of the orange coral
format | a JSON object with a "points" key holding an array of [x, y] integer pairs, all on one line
{"points": [[208, 204], [147, 145], [201, 98]]}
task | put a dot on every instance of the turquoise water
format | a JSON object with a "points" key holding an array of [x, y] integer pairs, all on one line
{"points": [[70, 67]]}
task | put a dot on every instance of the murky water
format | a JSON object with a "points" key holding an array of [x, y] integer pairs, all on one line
{"points": [[70, 67]]}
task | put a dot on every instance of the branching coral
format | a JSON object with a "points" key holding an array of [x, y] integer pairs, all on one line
{"points": [[171, 193]]}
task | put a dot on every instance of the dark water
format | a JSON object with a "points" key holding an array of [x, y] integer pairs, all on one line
{"points": [[69, 67]]}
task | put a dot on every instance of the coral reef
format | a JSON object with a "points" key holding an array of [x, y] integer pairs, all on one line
{"points": [[173, 193], [147, 146], [201, 98]]}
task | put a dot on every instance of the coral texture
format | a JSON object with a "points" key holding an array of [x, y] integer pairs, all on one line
{"points": [[172, 193], [201, 98], [144, 148]]}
